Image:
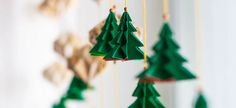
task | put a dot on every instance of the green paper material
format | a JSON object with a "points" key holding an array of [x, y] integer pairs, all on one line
{"points": [[109, 31], [125, 44], [201, 101], [167, 63], [61, 104], [146, 96], [74, 92], [76, 89]]}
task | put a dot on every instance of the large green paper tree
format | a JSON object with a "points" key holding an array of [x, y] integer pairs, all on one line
{"points": [[125, 44], [109, 31], [146, 96], [166, 63], [74, 92], [201, 101]]}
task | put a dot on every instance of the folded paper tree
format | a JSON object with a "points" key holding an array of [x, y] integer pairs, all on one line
{"points": [[109, 31], [76, 89], [166, 63], [146, 96], [125, 44], [61, 104], [74, 92], [201, 101]]}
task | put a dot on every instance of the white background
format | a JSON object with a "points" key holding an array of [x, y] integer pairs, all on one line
{"points": [[26, 39]]}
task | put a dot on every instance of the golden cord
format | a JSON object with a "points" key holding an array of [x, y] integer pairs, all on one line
{"points": [[166, 10], [145, 32], [125, 3]]}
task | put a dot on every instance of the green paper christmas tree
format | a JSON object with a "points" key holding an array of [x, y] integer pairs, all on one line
{"points": [[201, 101], [125, 44], [61, 104], [76, 89], [74, 92], [166, 63], [108, 33], [146, 96]]}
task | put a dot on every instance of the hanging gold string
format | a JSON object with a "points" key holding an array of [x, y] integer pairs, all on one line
{"points": [[166, 10], [145, 32], [115, 2], [110, 4], [125, 3], [199, 43]]}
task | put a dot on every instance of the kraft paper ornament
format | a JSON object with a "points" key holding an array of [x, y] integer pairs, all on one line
{"points": [[201, 101], [65, 44], [125, 44], [61, 104], [49, 7], [166, 63], [109, 31], [146, 96], [57, 73], [98, 1], [85, 66], [54, 7]]}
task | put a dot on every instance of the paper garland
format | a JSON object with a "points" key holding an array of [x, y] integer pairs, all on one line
{"points": [[109, 31], [201, 101], [167, 63], [146, 96], [125, 44]]}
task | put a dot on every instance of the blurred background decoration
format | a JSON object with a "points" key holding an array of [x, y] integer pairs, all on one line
{"points": [[45, 60]]}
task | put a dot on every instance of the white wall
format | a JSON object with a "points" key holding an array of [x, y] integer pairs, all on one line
{"points": [[219, 50]]}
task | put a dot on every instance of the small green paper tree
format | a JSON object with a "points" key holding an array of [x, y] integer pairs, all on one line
{"points": [[75, 92], [125, 44], [146, 96], [76, 89], [61, 104], [103, 46], [166, 63], [201, 101]]}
